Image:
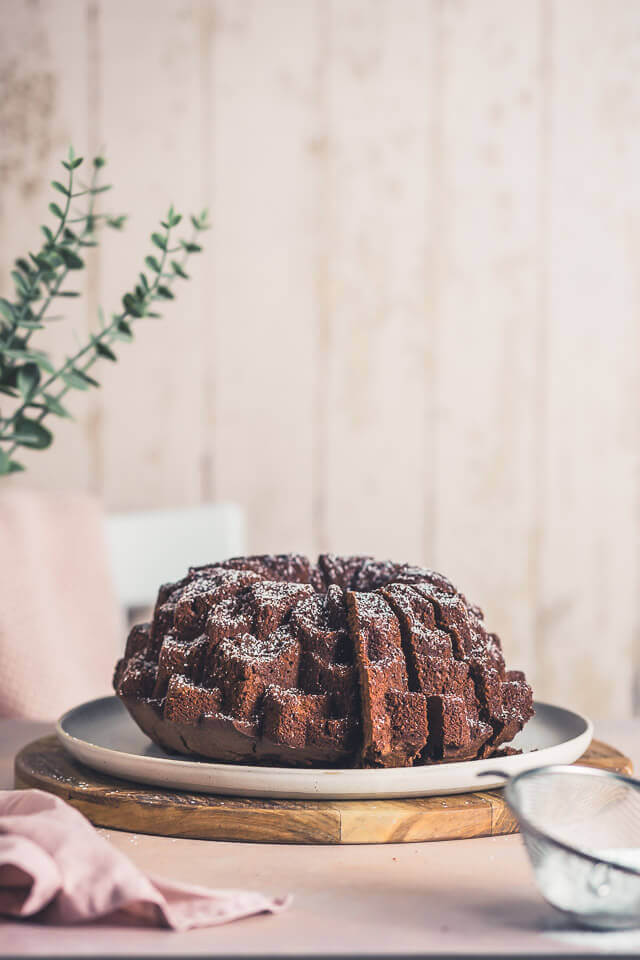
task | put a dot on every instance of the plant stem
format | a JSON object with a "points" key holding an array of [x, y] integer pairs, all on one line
{"points": [[107, 335], [89, 220], [35, 281]]}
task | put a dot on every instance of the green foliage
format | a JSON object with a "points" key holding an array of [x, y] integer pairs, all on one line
{"points": [[34, 384]]}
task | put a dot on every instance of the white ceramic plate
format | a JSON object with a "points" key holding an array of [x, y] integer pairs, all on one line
{"points": [[102, 735]]}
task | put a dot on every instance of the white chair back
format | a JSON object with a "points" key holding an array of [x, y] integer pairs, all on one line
{"points": [[150, 547]]}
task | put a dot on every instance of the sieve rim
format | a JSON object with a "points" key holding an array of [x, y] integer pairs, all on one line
{"points": [[572, 770]]}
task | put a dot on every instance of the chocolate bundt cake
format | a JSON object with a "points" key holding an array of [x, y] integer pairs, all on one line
{"points": [[347, 662]]}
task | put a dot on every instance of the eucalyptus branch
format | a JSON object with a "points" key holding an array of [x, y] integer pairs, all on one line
{"points": [[82, 241], [118, 329], [42, 263], [27, 375]]}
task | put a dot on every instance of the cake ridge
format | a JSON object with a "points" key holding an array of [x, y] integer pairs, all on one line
{"points": [[486, 687]]}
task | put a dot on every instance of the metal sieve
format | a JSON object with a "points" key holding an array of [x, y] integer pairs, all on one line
{"points": [[581, 828]]}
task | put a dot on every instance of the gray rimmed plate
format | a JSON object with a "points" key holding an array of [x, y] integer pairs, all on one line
{"points": [[102, 735]]}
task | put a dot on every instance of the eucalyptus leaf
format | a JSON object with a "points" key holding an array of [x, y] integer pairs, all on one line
{"points": [[82, 377], [70, 259], [90, 380], [60, 188], [122, 331], [53, 259], [7, 310], [9, 377], [201, 222], [42, 260], [53, 405], [31, 433], [33, 356], [8, 466], [28, 380], [75, 379], [29, 375], [20, 282], [132, 306], [41, 359], [179, 270], [30, 324], [104, 351]]}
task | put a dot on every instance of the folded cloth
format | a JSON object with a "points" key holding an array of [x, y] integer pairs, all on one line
{"points": [[55, 865], [60, 626]]}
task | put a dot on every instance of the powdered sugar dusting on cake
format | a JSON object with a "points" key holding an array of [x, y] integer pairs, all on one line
{"points": [[274, 659]]}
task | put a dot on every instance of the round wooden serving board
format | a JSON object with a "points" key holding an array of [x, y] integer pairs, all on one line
{"points": [[121, 805]]}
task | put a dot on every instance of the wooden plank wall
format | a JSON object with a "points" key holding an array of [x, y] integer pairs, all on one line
{"points": [[415, 328]]}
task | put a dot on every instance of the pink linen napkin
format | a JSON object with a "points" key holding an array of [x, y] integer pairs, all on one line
{"points": [[55, 865], [60, 626]]}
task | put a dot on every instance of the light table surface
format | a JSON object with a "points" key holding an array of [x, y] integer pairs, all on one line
{"points": [[458, 896]]}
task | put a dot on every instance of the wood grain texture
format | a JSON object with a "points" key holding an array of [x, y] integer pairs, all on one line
{"points": [[589, 558], [377, 324], [147, 440], [415, 329], [113, 803], [44, 78], [264, 182], [485, 342]]}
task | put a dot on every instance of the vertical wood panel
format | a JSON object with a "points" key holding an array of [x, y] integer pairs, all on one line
{"points": [[415, 328], [589, 598], [43, 109], [487, 311], [265, 192], [379, 109], [149, 430]]}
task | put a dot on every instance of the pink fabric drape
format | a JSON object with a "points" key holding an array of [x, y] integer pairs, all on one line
{"points": [[55, 866], [60, 626]]}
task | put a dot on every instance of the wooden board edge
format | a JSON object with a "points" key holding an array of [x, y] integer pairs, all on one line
{"points": [[603, 756], [129, 814], [415, 820], [480, 814]]}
